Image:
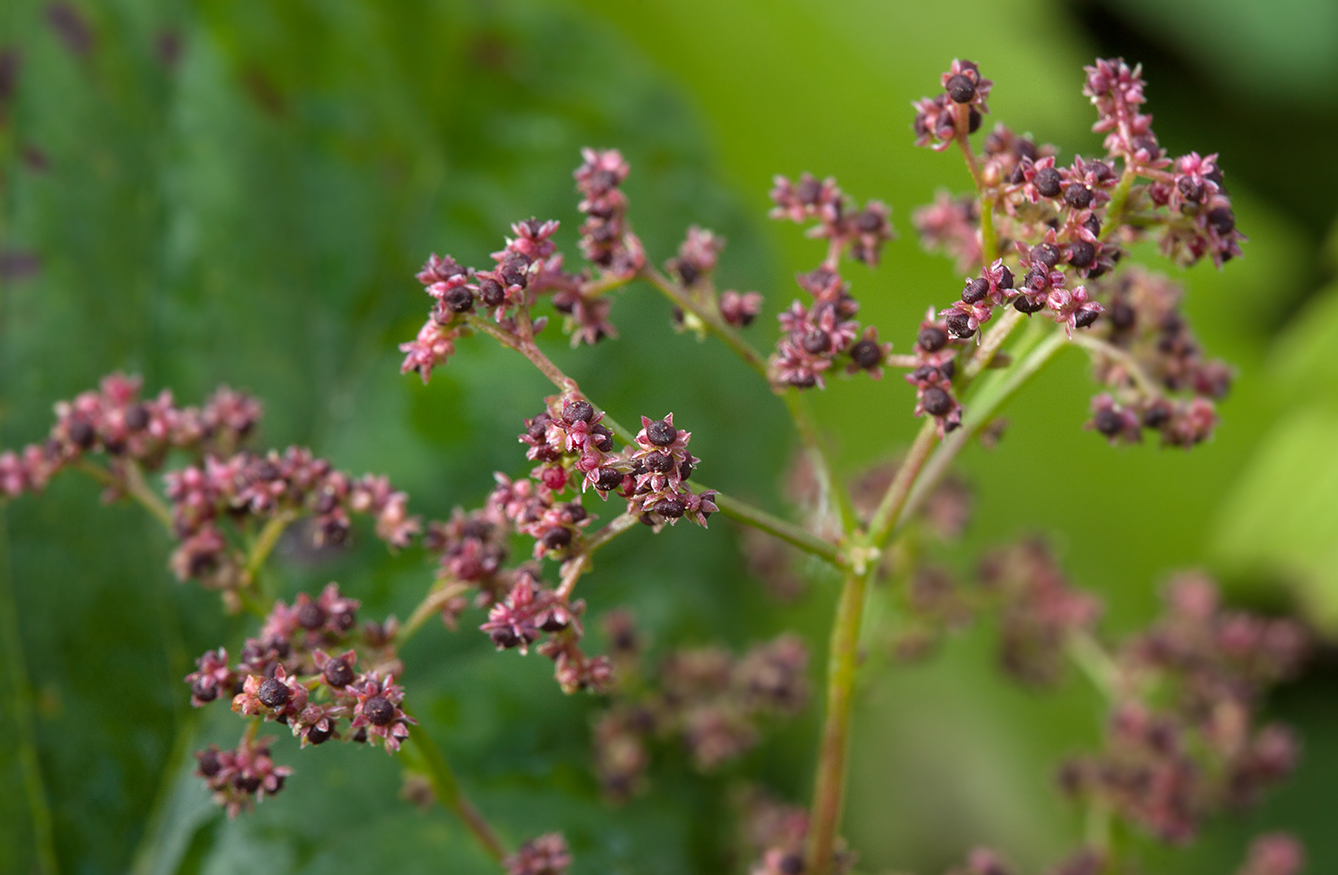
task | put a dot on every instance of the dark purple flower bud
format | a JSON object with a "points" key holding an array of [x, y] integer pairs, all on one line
{"points": [[459, 300], [310, 616], [660, 463], [1078, 196], [379, 711], [937, 402], [1191, 189], [959, 324], [793, 864], [317, 735], [867, 354], [1081, 253], [1108, 421], [1045, 254], [960, 88], [557, 538], [273, 693], [578, 410], [1005, 278], [816, 341], [661, 433], [210, 764], [491, 292], [1085, 317], [609, 478], [973, 119], [137, 418], [1222, 220], [338, 673], [1092, 224], [504, 638], [685, 470], [1026, 305], [82, 434], [670, 508], [932, 339], [204, 690], [975, 290], [1048, 182]]}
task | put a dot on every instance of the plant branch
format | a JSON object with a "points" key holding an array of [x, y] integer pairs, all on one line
{"points": [[712, 320], [132, 483], [775, 526], [447, 789], [25, 734], [891, 507], [1130, 364], [829, 784], [979, 412]]}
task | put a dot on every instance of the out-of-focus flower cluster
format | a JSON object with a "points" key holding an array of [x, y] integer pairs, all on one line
{"points": [[711, 701], [773, 836], [312, 669], [1158, 377], [1182, 740], [130, 431], [544, 855]]}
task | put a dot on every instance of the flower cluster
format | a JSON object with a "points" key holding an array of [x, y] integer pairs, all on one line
{"points": [[300, 671], [1156, 372], [531, 610], [956, 110], [1040, 610], [711, 700], [276, 486], [241, 777], [817, 336], [1181, 742], [131, 431], [544, 855], [287, 673], [775, 833]]}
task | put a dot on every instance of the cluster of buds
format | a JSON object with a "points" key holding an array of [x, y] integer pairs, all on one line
{"points": [[131, 431], [817, 336], [530, 266], [1061, 221], [774, 834], [1157, 375], [693, 267], [531, 611], [239, 778], [606, 240], [958, 109], [544, 855], [287, 674], [710, 700], [1040, 610], [249, 487], [1182, 742]]}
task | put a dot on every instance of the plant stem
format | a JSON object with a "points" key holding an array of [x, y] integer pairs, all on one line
{"points": [[447, 789], [828, 485], [266, 541], [713, 322], [436, 599], [1130, 364], [134, 486], [989, 345], [779, 528], [842, 661], [25, 740], [890, 509], [979, 412]]}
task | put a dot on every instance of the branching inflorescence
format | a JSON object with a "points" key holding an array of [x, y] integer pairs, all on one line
{"points": [[1036, 237]]}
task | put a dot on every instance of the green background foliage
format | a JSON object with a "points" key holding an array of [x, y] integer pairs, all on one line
{"points": [[240, 192]]}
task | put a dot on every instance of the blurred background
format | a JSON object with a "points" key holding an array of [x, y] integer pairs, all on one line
{"points": [[240, 192]]}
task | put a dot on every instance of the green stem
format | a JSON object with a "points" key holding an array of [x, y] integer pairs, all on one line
{"points": [[842, 662], [989, 345], [828, 485], [1130, 364], [979, 412], [788, 532], [890, 509], [266, 541], [25, 732], [447, 789], [1118, 197], [430, 606], [713, 321], [133, 485]]}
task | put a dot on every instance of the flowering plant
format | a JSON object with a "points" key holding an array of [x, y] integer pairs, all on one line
{"points": [[1045, 248]]}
